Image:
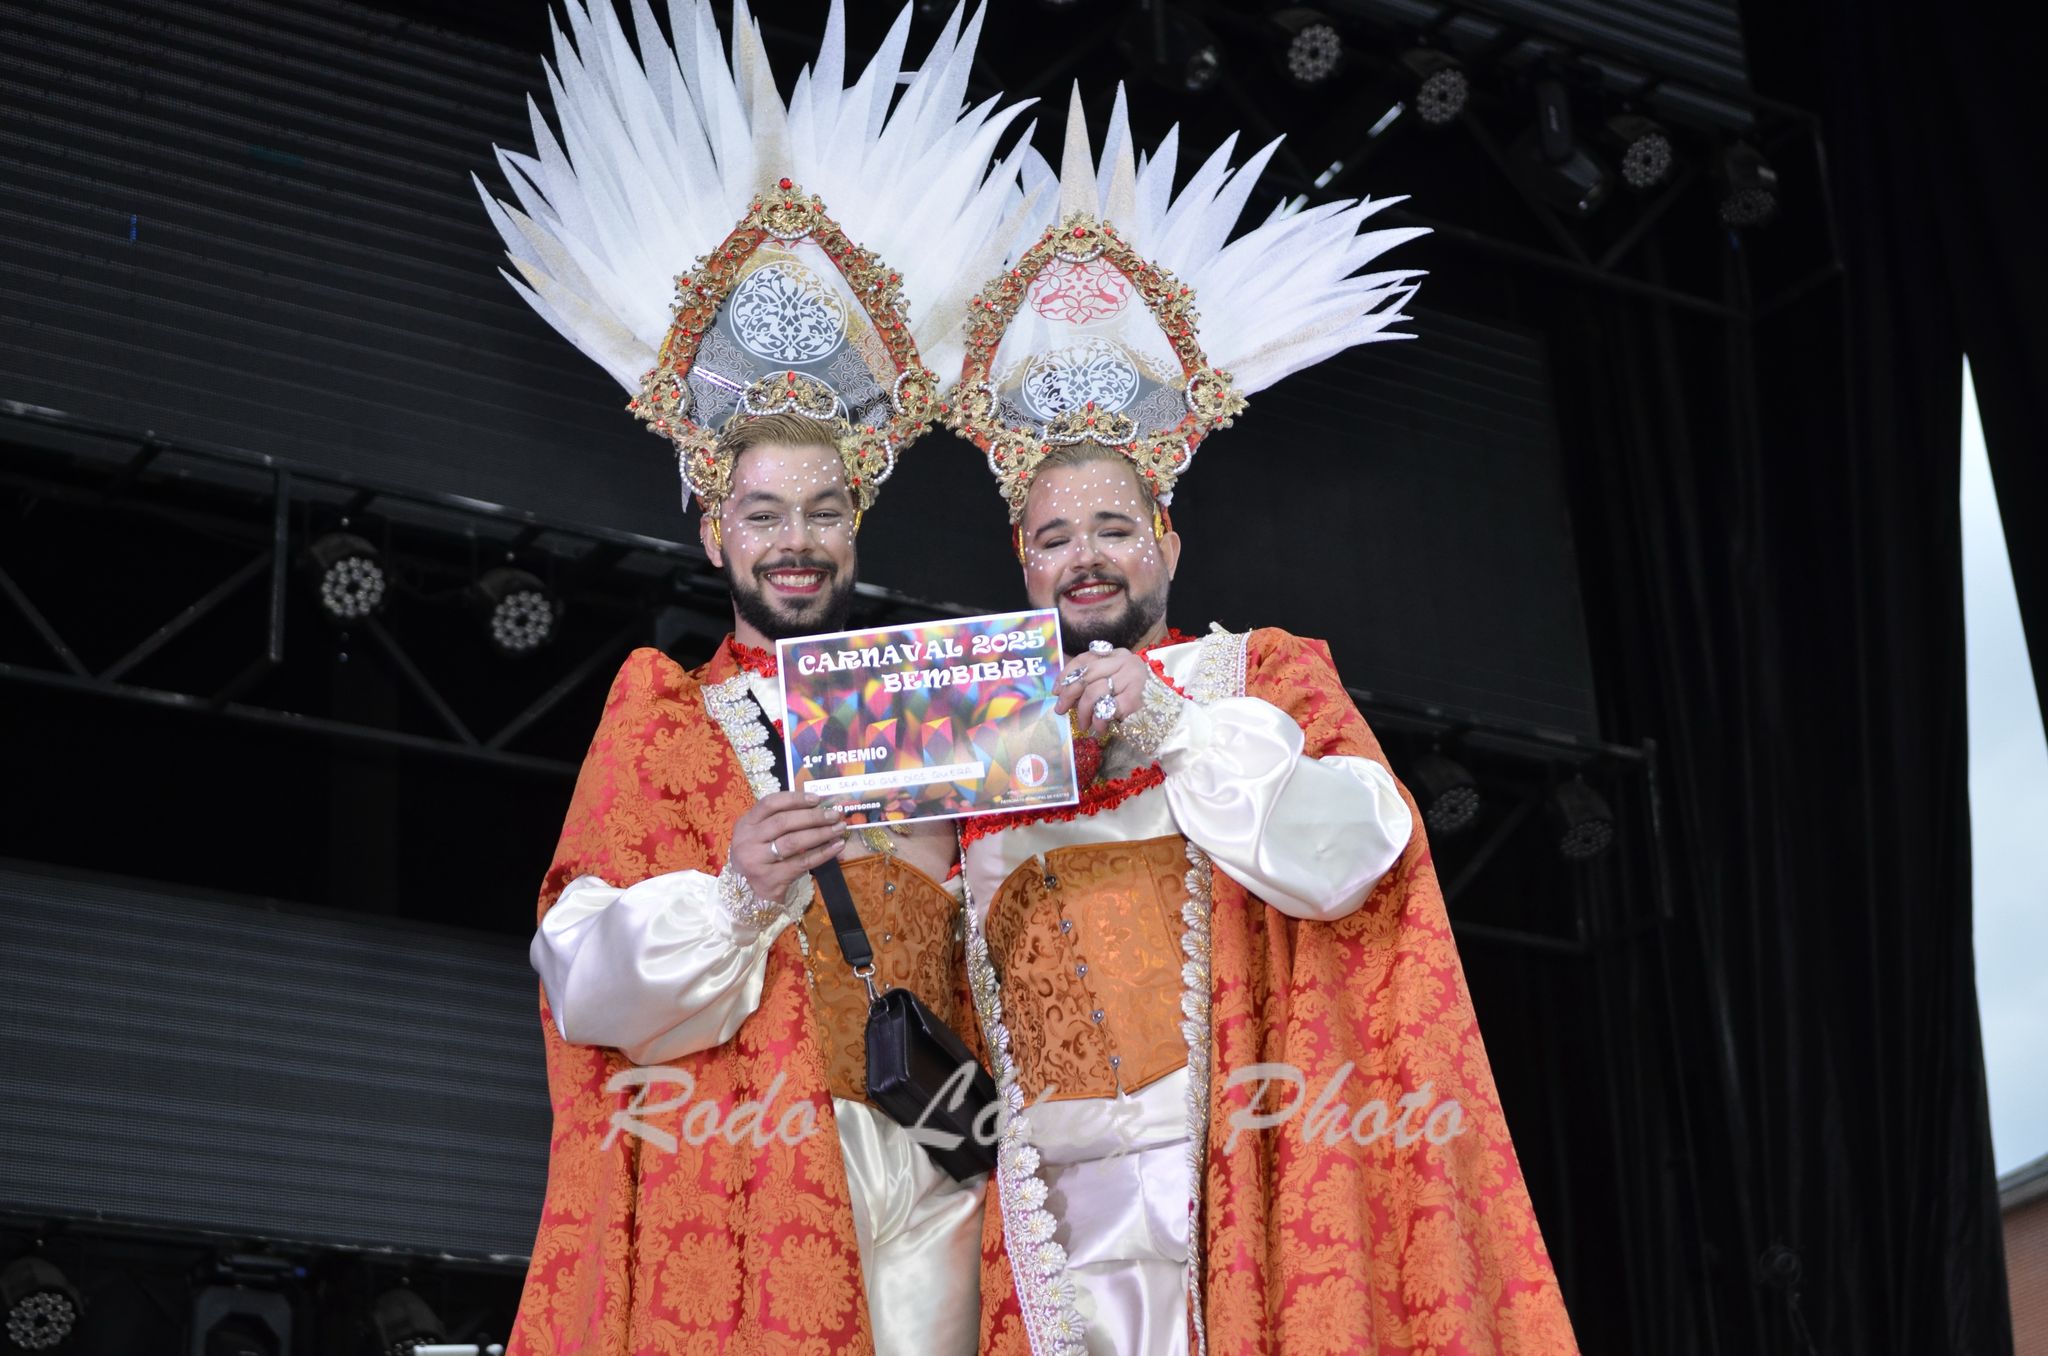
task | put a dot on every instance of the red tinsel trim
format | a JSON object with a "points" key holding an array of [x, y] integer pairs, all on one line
{"points": [[750, 658], [1104, 796]]}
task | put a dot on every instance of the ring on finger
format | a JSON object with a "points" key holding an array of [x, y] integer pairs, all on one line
{"points": [[1105, 708], [1100, 646], [775, 848]]}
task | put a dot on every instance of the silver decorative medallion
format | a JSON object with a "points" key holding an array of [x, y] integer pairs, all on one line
{"points": [[783, 312], [1090, 370]]}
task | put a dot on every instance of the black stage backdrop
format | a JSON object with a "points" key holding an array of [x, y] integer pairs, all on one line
{"points": [[1767, 516]]}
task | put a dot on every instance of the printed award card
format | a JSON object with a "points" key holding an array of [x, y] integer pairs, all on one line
{"points": [[934, 721]]}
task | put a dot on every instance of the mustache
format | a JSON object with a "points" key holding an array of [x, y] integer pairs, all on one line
{"points": [[1096, 576]]}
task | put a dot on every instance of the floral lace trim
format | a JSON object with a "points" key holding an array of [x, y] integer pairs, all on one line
{"points": [[1038, 1264], [749, 914], [1219, 669], [1146, 728], [1194, 1028], [1094, 800], [731, 704]]}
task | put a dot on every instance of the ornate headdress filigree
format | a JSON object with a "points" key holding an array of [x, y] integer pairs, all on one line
{"points": [[1092, 333], [662, 151]]}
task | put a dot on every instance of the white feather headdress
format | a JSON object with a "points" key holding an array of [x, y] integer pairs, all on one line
{"points": [[683, 156], [1127, 316]]}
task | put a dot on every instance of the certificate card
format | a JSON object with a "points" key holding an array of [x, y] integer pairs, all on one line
{"points": [[932, 721]]}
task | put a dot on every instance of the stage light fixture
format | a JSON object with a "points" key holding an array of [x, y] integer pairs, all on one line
{"points": [[403, 1323], [1171, 48], [41, 1306], [520, 609], [1442, 89], [1646, 155], [1309, 46], [1581, 820], [1748, 184], [352, 581], [244, 1315], [1447, 792], [1551, 163]]}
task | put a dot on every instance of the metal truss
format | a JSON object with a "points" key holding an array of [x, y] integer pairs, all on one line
{"points": [[1780, 130], [103, 467]]}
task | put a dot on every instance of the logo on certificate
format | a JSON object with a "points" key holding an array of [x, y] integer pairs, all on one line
{"points": [[1031, 772]]}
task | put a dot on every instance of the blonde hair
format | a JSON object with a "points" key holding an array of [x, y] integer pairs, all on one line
{"points": [[783, 430]]}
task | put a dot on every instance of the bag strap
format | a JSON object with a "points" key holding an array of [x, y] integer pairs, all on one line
{"points": [[853, 938]]}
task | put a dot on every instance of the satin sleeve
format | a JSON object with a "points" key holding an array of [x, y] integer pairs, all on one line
{"points": [[658, 970], [1310, 836]]}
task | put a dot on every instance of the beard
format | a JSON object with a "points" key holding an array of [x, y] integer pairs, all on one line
{"points": [[1127, 629], [828, 611]]}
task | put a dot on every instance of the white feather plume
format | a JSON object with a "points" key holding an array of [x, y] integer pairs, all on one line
{"points": [[1281, 297], [661, 152]]}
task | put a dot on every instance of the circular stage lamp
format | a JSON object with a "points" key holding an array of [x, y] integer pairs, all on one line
{"points": [[1646, 154], [350, 577], [521, 610], [1581, 821], [1749, 186], [1442, 89], [1446, 791], [41, 1307], [1310, 47]]}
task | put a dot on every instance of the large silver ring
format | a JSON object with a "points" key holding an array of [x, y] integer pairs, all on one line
{"points": [[1100, 647], [1105, 708], [1072, 676], [775, 848]]}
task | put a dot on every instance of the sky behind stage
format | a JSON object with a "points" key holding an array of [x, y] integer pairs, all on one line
{"points": [[2008, 820]]}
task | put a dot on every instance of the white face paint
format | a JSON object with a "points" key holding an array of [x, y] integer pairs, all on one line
{"points": [[786, 542], [1090, 550]]}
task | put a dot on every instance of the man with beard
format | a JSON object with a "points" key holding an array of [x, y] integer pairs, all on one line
{"points": [[728, 987], [717, 1179], [1251, 1111]]}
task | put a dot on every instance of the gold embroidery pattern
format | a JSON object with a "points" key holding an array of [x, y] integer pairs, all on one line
{"points": [[1320, 1242], [1144, 730], [1090, 951], [908, 918], [623, 1221]]}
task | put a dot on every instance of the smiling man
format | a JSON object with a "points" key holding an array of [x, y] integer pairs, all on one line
{"points": [[717, 1179], [730, 981], [727, 989], [1222, 990]]}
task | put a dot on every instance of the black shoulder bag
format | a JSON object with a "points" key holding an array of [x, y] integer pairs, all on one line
{"points": [[920, 1073]]}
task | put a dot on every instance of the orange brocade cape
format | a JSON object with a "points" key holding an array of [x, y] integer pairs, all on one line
{"points": [[1373, 1249], [720, 1247]]}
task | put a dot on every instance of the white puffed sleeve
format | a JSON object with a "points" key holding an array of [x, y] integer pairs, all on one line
{"points": [[658, 970], [1309, 836]]}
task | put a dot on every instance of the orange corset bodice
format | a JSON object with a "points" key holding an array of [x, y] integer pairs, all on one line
{"points": [[1086, 943], [910, 921]]}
